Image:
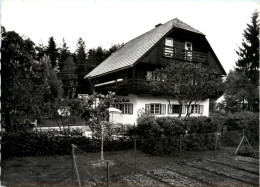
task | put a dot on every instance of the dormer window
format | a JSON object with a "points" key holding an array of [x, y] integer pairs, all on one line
{"points": [[168, 50], [188, 52]]}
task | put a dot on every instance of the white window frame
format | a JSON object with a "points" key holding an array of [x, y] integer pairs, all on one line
{"points": [[169, 50], [124, 107], [188, 52]]}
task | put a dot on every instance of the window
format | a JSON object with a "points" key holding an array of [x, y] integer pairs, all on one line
{"points": [[197, 109], [188, 53], [174, 109], [126, 108], [169, 50], [155, 108]]}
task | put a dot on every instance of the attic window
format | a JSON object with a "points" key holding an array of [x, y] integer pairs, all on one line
{"points": [[188, 53], [169, 50]]}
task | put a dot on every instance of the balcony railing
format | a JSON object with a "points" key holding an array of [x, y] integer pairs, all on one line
{"points": [[134, 86], [182, 54]]}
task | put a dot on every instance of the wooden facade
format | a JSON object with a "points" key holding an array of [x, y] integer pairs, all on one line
{"points": [[177, 45]]}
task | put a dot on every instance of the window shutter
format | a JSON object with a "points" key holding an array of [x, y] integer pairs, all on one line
{"points": [[201, 109], [147, 108], [163, 108], [183, 109], [130, 108]]}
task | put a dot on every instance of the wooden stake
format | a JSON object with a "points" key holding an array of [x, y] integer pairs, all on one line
{"points": [[240, 144], [75, 164], [107, 172], [72, 163], [135, 153]]}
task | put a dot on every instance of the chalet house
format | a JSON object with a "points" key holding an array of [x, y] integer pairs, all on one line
{"points": [[126, 71]]}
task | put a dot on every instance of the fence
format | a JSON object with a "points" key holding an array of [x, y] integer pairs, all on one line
{"points": [[89, 169]]}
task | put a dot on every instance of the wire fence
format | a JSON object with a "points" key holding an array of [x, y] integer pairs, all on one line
{"points": [[89, 169]]}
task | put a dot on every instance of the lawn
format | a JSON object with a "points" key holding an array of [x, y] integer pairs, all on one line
{"points": [[207, 168]]}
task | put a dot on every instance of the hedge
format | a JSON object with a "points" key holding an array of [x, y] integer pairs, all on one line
{"points": [[162, 135], [49, 143]]}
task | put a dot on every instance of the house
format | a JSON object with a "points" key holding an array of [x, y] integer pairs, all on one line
{"points": [[127, 70]]}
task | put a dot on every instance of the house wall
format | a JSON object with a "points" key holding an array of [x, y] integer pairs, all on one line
{"points": [[139, 102]]}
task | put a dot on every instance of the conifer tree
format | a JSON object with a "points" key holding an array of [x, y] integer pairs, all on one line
{"points": [[81, 63], [52, 51], [248, 60], [64, 54]]}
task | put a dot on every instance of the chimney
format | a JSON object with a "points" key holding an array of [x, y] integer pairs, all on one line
{"points": [[158, 25]]}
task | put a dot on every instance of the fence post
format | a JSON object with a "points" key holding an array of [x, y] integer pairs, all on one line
{"points": [[107, 172], [135, 153], [180, 145], [74, 161]]}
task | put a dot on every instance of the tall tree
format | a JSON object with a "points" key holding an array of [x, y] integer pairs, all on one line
{"points": [[240, 93], [52, 52], [81, 62], [248, 60], [69, 77], [64, 54], [187, 83]]}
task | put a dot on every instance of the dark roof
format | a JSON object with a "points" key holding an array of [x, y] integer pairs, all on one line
{"points": [[133, 50]]}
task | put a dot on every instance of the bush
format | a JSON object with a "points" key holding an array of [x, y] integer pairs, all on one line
{"points": [[247, 121], [162, 135], [52, 143]]}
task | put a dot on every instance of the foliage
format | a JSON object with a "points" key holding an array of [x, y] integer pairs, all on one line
{"points": [[53, 143], [81, 63], [188, 83], [247, 121], [248, 54], [69, 77], [242, 84], [94, 110], [52, 52], [64, 54], [240, 93], [162, 135]]}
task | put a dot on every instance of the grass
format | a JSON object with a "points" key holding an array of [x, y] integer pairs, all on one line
{"points": [[57, 170]]}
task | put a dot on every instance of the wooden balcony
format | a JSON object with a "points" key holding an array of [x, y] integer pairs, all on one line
{"points": [[131, 86], [182, 54]]}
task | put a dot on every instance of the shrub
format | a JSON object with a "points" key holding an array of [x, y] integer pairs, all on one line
{"points": [[51, 143], [162, 135], [247, 121]]}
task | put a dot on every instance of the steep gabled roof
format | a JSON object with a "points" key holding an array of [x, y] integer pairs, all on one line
{"points": [[133, 50]]}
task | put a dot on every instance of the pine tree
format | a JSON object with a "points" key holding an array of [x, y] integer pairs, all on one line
{"points": [[64, 54], [52, 52], [81, 62], [68, 77], [248, 60]]}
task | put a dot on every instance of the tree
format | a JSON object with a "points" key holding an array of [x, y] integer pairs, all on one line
{"points": [[64, 54], [188, 83], [248, 54], [94, 110], [27, 83], [18, 56], [69, 77], [52, 52], [81, 62], [240, 93]]}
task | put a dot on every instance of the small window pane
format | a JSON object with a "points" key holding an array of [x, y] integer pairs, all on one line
{"points": [[169, 42]]}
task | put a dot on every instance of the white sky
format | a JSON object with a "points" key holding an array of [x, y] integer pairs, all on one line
{"points": [[103, 23]]}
